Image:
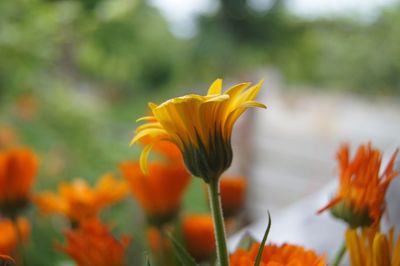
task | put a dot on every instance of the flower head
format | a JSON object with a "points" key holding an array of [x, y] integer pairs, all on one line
{"points": [[78, 201], [8, 236], [198, 234], [360, 199], [159, 193], [18, 169], [233, 192], [273, 255], [92, 244], [371, 247], [201, 127]]}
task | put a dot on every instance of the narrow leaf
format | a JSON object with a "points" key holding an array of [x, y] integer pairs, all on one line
{"points": [[262, 245], [183, 256], [146, 259]]}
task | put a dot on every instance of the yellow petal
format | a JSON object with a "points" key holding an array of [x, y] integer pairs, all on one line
{"points": [[249, 104], [396, 253], [251, 93], [145, 132], [144, 158], [215, 87], [353, 245], [235, 90], [145, 118], [219, 98], [380, 251]]}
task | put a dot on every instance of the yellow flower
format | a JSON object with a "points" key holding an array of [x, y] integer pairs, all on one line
{"points": [[360, 200], [18, 168], [273, 255], [372, 248], [92, 244], [78, 201], [201, 127]]}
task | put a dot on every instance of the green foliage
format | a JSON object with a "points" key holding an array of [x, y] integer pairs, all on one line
{"points": [[340, 52], [182, 254]]}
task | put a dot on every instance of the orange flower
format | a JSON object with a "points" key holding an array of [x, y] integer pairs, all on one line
{"points": [[159, 193], [233, 192], [273, 255], [18, 168], [360, 199], [8, 236], [92, 244], [156, 241], [78, 201], [198, 234], [165, 148]]}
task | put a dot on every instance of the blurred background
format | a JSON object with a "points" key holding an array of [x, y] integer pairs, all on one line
{"points": [[76, 74]]}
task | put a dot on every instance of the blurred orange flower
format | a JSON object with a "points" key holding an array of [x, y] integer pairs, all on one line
{"points": [[273, 255], [8, 236], [79, 201], [371, 247], [198, 234], [27, 106], [233, 192], [18, 168], [92, 244], [156, 241], [159, 193], [8, 137], [360, 199]]}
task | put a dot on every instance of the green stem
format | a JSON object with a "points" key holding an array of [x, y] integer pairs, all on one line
{"points": [[19, 249], [216, 211], [339, 256], [162, 253]]}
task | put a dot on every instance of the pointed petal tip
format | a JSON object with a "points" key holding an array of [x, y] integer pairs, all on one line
{"points": [[215, 87], [152, 105], [131, 143]]}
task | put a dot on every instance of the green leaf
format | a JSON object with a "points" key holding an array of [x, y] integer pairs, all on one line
{"points": [[184, 257], [146, 258], [260, 250]]}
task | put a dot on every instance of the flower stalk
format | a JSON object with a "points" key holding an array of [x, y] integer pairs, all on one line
{"points": [[18, 247], [339, 255], [216, 211]]}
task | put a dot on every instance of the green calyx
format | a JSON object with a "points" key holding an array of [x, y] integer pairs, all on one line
{"points": [[158, 220], [354, 218], [210, 160], [12, 209]]}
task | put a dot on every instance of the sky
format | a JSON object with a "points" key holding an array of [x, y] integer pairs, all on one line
{"points": [[181, 14]]}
